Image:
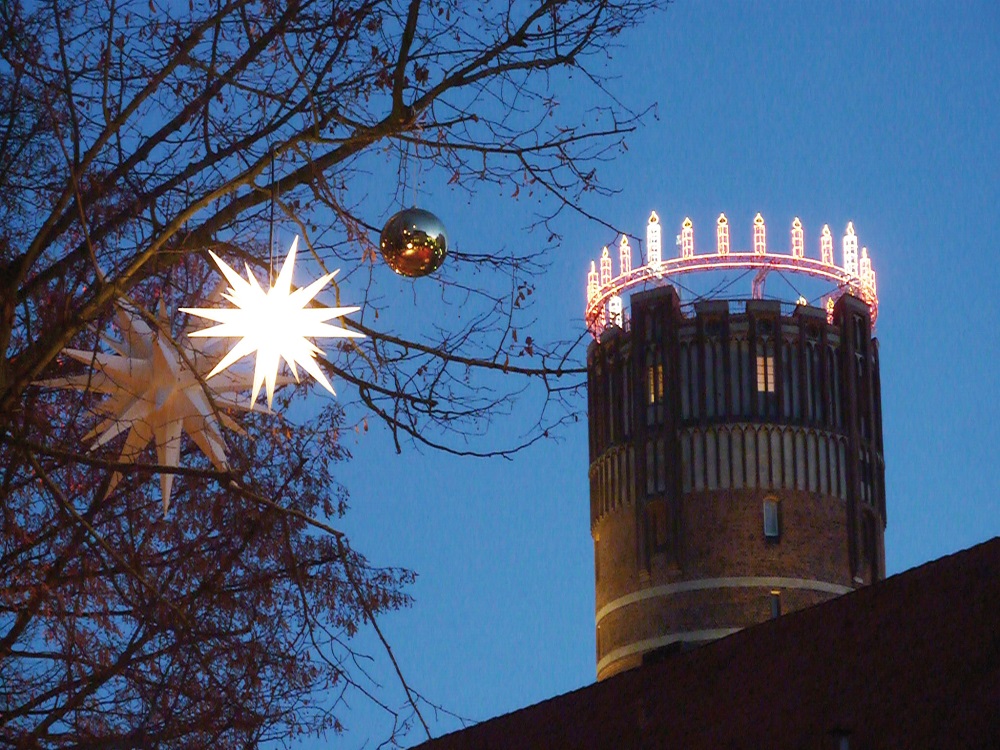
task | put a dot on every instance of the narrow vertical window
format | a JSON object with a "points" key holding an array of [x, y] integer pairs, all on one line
{"points": [[775, 603], [651, 383], [765, 373], [772, 521], [654, 390]]}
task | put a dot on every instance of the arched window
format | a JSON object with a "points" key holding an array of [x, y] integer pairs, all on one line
{"points": [[772, 519]]}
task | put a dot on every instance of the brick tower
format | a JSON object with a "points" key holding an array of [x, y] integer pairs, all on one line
{"points": [[736, 466]]}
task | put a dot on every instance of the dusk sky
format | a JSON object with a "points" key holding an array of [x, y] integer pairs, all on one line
{"points": [[884, 114]]}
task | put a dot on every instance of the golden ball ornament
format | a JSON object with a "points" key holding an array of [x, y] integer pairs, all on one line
{"points": [[414, 242]]}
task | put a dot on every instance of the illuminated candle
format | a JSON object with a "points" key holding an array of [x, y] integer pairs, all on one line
{"points": [[687, 238], [624, 257], [759, 236], [851, 251], [605, 267], [654, 241], [826, 245], [798, 244], [722, 235]]}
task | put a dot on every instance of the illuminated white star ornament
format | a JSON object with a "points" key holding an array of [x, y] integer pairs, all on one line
{"points": [[155, 391], [276, 324]]}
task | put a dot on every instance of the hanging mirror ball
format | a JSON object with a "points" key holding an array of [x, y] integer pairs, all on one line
{"points": [[414, 242]]}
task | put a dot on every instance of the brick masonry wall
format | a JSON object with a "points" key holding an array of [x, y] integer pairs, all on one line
{"points": [[722, 535]]}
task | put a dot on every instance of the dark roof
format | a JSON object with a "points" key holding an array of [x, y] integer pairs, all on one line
{"points": [[911, 662]]}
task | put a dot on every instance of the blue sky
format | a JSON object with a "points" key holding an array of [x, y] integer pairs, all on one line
{"points": [[884, 114]]}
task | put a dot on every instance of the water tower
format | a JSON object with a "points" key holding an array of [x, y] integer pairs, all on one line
{"points": [[736, 464]]}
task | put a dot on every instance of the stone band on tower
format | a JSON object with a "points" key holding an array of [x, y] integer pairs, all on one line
{"points": [[736, 467]]}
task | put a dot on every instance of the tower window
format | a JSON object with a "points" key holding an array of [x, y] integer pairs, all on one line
{"points": [[654, 383], [772, 521], [765, 373], [775, 603]]}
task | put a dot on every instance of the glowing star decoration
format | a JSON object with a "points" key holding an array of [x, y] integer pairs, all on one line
{"points": [[155, 392], [275, 324]]}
